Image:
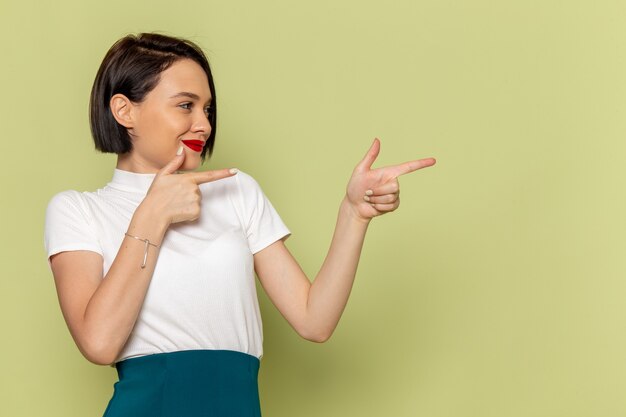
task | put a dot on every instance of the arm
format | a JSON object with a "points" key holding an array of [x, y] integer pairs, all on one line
{"points": [[101, 313], [314, 310]]}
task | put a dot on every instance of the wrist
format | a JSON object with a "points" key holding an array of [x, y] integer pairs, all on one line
{"points": [[148, 223], [350, 211]]}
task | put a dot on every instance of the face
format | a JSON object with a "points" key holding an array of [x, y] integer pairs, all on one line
{"points": [[174, 113]]}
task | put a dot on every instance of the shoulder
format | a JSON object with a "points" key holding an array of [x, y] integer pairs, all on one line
{"points": [[69, 202], [65, 198]]}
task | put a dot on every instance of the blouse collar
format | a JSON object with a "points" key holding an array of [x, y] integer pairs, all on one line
{"points": [[131, 181]]}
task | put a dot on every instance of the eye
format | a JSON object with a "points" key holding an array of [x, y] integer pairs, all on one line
{"points": [[185, 106], [208, 110]]}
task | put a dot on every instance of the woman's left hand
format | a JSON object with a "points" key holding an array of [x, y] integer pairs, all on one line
{"points": [[372, 192]]}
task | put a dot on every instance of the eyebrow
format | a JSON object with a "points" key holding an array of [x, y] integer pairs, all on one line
{"points": [[187, 94]]}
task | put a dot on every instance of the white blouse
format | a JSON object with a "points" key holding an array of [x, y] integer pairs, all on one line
{"points": [[202, 294]]}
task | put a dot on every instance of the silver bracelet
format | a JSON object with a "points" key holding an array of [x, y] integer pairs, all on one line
{"points": [[145, 252]]}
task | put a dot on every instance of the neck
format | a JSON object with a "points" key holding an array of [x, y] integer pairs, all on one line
{"points": [[128, 162]]}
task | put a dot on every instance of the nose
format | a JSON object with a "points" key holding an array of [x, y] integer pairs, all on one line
{"points": [[201, 124]]}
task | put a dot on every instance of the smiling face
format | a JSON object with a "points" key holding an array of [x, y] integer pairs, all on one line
{"points": [[174, 113]]}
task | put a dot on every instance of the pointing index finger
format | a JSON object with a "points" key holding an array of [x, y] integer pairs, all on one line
{"points": [[405, 168], [213, 175]]}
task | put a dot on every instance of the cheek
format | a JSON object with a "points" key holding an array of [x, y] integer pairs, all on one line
{"points": [[166, 123], [178, 129]]}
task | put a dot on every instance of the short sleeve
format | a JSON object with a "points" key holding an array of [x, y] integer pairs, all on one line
{"points": [[68, 226], [262, 224]]}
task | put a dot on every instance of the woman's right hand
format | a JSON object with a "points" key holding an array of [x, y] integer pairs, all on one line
{"points": [[177, 196]]}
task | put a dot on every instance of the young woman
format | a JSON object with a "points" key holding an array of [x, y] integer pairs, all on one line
{"points": [[155, 271]]}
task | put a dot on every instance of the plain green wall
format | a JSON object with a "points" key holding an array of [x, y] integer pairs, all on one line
{"points": [[497, 288]]}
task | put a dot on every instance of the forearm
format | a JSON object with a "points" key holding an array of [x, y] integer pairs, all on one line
{"points": [[114, 307], [331, 287], [314, 309]]}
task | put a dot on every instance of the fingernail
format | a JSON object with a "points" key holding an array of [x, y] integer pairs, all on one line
{"points": [[233, 170], [366, 198], [180, 150], [369, 192]]}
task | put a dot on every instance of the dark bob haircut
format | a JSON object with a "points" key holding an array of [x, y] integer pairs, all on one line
{"points": [[132, 67]]}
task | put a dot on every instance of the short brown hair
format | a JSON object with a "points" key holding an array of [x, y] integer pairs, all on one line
{"points": [[132, 67]]}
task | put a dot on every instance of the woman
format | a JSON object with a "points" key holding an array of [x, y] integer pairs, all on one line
{"points": [[155, 271]]}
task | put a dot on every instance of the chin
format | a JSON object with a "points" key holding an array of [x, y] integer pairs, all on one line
{"points": [[190, 164]]}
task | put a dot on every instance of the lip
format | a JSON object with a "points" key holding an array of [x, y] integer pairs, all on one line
{"points": [[194, 145]]}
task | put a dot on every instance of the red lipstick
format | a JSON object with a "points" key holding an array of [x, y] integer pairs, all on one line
{"points": [[194, 145]]}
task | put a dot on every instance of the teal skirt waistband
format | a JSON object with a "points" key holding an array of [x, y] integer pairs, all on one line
{"points": [[190, 383]]}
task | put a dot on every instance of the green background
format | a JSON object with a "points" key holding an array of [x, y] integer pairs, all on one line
{"points": [[496, 289]]}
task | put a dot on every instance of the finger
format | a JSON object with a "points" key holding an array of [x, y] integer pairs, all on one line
{"points": [[175, 163], [387, 207], [390, 187], [381, 199], [405, 168], [213, 175], [370, 156]]}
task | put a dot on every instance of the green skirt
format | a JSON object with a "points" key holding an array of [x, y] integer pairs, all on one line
{"points": [[189, 383]]}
